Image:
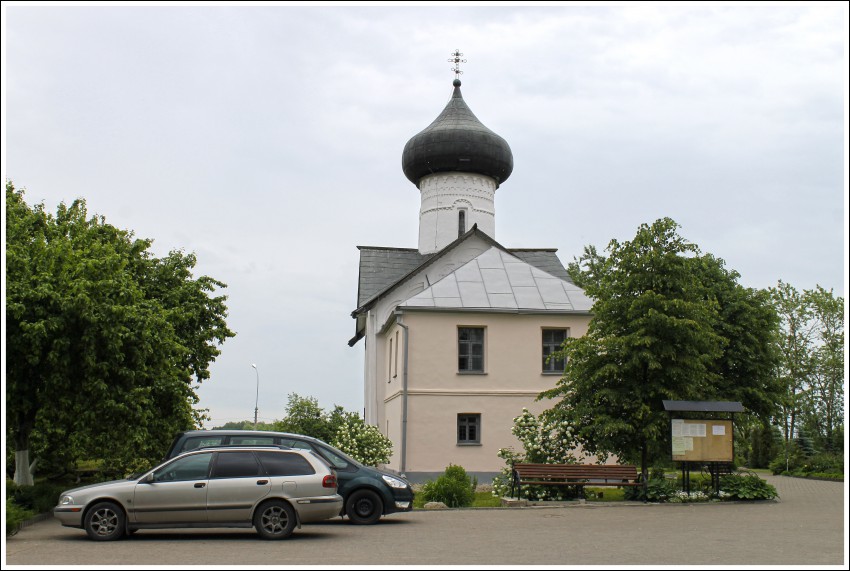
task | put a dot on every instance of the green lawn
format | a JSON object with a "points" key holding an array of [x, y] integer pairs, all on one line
{"points": [[482, 500], [486, 500], [604, 494]]}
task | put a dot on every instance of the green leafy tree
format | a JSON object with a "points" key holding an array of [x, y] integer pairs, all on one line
{"points": [[246, 425], [824, 415], [811, 366], [105, 343], [795, 345], [305, 416], [663, 320]]}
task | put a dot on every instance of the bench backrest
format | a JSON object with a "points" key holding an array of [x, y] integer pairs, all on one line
{"points": [[576, 471]]}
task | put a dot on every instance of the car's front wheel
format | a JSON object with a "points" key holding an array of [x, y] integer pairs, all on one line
{"points": [[275, 520], [364, 507], [105, 522]]}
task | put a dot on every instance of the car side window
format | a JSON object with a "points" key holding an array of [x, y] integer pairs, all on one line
{"points": [[335, 459], [292, 443], [194, 467], [199, 442], [285, 464], [235, 465], [250, 440]]}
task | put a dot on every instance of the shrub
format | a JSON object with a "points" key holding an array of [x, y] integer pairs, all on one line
{"points": [[15, 515], [796, 459], [825, 463], [454, 488], [746, 487], [657, 490], [39, 498], [826, 475]]}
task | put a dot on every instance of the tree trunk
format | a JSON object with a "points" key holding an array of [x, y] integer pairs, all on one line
{"points": [[23, 468], [23, 475]]}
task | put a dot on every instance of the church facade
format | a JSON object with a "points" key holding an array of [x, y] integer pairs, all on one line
{"points": [[457, 332]]}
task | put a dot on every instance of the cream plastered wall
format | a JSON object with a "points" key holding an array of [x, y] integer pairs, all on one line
{"points": [[377, 317], [437, 393]]}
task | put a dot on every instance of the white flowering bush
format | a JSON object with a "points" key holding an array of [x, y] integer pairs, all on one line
{"points": [[362, 441], [545, 440]]}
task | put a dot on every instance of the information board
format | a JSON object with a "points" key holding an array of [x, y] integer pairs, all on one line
{"points": [[702, 440]]}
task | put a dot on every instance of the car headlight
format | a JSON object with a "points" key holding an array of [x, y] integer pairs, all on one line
{"points": [[394, 482], [66, 500]]}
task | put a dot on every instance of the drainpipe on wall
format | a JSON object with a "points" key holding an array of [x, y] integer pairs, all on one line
{"points": [[403, 465]]}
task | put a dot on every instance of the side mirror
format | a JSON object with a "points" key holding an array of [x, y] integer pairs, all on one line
{"points": [[147, 479]]}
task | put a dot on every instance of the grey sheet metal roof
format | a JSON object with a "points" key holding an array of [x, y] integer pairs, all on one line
{"points": [[543, 259], [382, 267], [498, 280], [702, 406]]}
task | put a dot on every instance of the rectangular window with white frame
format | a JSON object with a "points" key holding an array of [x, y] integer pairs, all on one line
{"points": [[470, 349], [469, 428], [552, 341]]}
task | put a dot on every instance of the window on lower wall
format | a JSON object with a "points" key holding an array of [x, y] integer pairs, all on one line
{"points": [[470, 349], [552, 341], [469, 428]]}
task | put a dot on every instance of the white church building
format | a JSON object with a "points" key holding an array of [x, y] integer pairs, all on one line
{"points": [[457, 332]]}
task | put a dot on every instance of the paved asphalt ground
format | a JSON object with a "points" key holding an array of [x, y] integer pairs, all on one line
{"points": [[805, 527]]}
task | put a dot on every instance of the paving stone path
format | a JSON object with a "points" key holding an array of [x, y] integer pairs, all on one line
{"points": [[806, 526]]}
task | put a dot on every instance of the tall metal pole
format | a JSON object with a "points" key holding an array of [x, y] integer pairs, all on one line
{"points": [[257, 400]]}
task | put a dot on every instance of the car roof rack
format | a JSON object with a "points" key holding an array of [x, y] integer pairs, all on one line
{"points": [[217, 446]]}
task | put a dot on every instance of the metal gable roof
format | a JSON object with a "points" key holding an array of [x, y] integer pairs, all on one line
{"points": [[497, 279]]}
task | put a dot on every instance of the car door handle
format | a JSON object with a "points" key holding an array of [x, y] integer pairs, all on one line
{"points": [[200, 484], [262, 482]]}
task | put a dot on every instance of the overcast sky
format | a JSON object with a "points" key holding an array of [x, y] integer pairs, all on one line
{"points": [[267, 140]]}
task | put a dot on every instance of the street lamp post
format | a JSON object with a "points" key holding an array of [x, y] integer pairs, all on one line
{"points": [[257, 401]]}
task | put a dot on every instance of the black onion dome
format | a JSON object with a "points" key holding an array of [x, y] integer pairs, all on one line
{"points": [[457, 141]]}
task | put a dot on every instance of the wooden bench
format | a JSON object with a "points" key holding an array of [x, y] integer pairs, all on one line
{"points": [[579, 475]]}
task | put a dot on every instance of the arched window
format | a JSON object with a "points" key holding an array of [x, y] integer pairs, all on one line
{"points": [[461, 222]]}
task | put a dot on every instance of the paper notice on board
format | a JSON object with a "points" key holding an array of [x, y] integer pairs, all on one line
{"points": [[695, 430], [689, 443], [678, 446], [677, 424], [718, 430]]}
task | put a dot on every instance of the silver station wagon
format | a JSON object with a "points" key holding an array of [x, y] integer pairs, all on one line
{"points": [[269, 488]]}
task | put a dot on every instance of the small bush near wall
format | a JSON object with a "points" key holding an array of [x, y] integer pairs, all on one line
{"points": [[454, 488]]}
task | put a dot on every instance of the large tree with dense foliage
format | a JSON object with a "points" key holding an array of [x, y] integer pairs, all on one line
{"points": [[104, 341], [669, 323]]}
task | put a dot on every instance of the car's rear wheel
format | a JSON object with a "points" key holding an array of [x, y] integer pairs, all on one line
{"points": [[274, 520], [105, 522], [364, 507]]}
